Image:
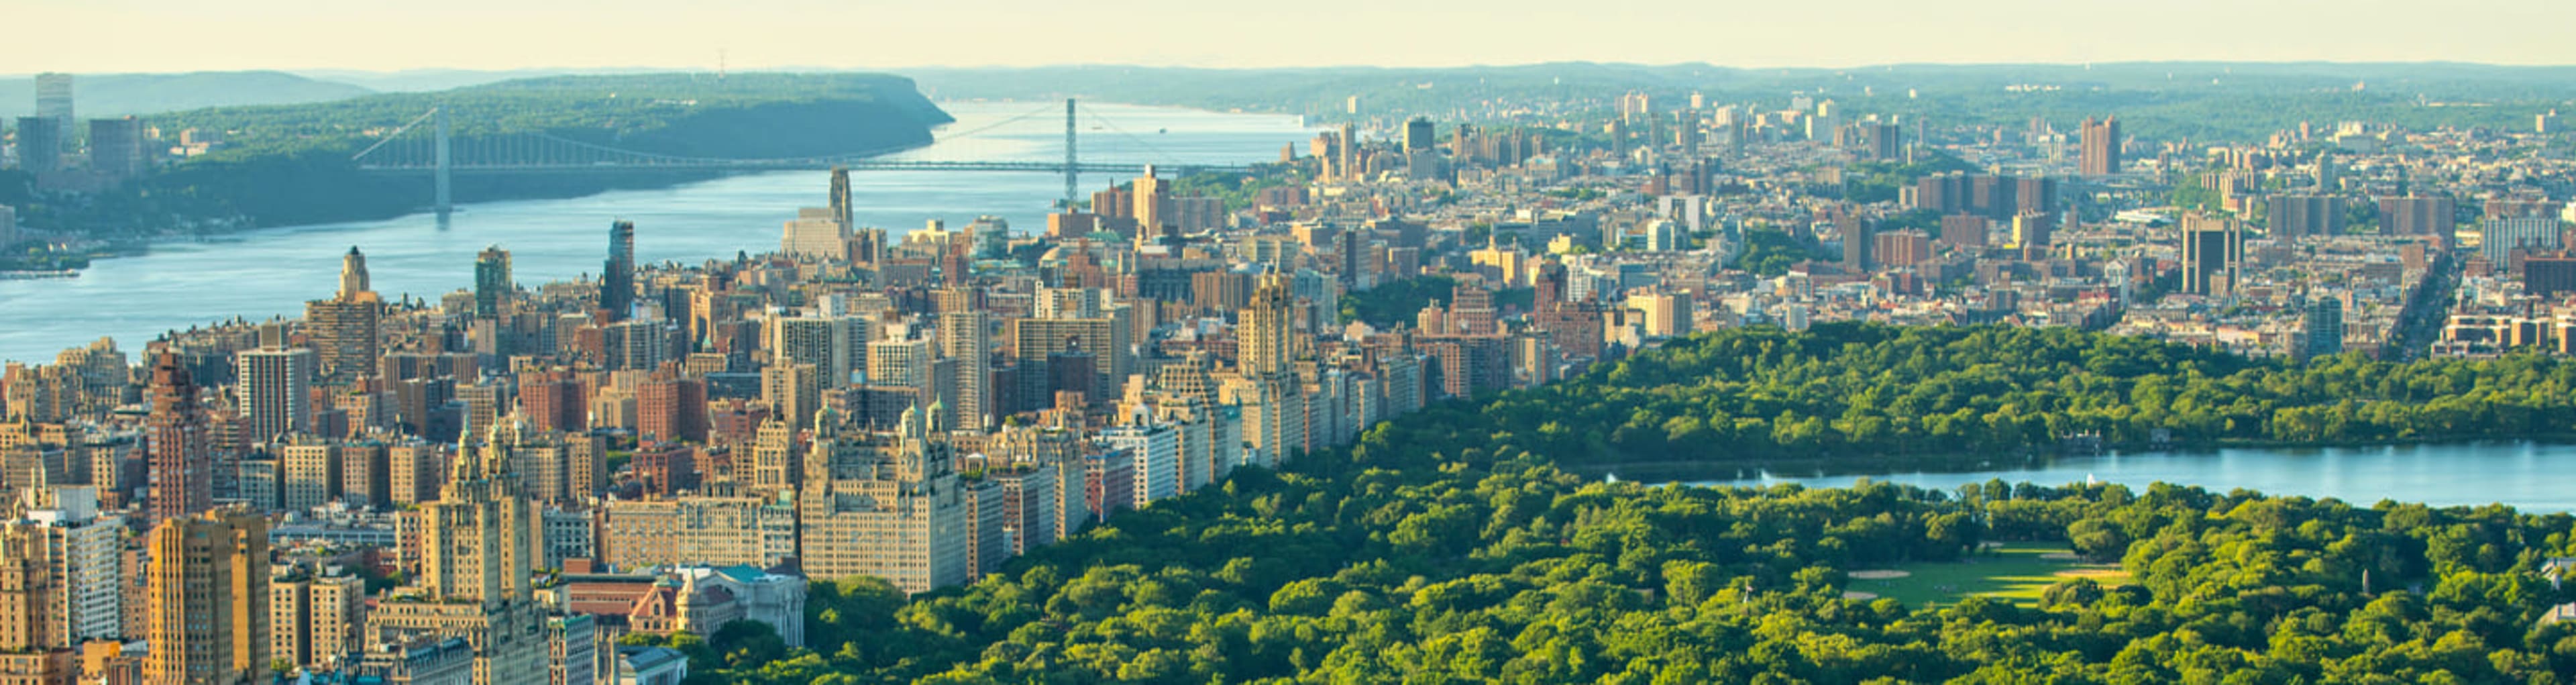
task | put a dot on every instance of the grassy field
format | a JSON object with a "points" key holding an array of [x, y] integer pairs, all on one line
{"points": [[2013, 571]]}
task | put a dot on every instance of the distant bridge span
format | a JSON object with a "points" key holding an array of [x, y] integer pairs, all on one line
{"points": [[436, 153]]}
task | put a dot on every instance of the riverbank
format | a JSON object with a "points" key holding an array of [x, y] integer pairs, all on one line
{"points": [[335, 162], [273, 271]]}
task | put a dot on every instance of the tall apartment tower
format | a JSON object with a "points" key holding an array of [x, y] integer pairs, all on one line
{"points": [[492, 286], [347, 330], [966, 338], [617, 276], [902, 361], [83, 546], [208, 604], [1418, 136], [887, 506], [2101, 154], [793, 391], [182, 468], [478, 543], [2212, 250], [1858, 237], [40, 144], [26, 590], [1346, 156], [54, 101], [116, 148], [1153, 207], [841, 208], [2323, 335], [32, 647], [836, 346], [1266, 339], [274, 392]]}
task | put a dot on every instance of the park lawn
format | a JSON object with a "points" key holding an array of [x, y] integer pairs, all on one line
{"points": [[2014, 572]]}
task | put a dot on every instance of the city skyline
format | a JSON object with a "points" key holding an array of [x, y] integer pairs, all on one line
{"points": [[163, 36], [1548, 374]]}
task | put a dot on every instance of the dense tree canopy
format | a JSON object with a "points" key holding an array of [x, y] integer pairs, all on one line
{"points": [[1446, 547], [1396, 302], [1849, 389], [1769, 253]]}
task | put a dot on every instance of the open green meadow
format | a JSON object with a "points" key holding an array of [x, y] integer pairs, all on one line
{"points": [[2016, 572]]}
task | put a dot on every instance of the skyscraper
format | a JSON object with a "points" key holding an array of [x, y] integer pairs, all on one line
{"points": [[793, 391], [274, 392], [836, 346], [477, 545], [54, 101], [1881, 141], [1266, 339], [116, 149], [1153, 207], [32, 647], [1857, 240], [841, 197], [208, 608], [1418, 135], [964, 337], [40, 144], [346, 330], [888, 506], [617, 276], [901, 361], [181, 469], [1345, 156], [2101, 154], [83, 547], [2212, 248], [492, 285], [2324, 335]]}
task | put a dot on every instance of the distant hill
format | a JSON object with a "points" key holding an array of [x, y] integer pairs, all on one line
{"points": [[109, 95], [430, 80], [290, 164], [2201, 101]]}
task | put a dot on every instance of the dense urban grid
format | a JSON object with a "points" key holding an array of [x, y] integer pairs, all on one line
{"points": [[591, 481]]}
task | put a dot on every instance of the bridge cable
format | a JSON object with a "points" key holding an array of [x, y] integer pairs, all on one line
{"points": [[398, 131]]}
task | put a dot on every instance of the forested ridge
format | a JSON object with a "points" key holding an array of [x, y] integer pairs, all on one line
{"points": [[286, 165], [1447, 546]]}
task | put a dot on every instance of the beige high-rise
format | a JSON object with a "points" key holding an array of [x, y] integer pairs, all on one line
{"points": [[208, 622], [478, 544], [889, 506], [346, 330]]}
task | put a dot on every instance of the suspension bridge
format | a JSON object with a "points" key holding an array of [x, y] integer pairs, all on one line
{"points": [[424, 145]]}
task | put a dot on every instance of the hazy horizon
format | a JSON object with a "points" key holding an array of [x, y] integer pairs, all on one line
{"points": [[165, 36], [426, 70]]}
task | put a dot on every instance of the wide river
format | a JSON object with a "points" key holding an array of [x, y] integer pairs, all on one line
{"points": [[2528, 476], [272, 272]]}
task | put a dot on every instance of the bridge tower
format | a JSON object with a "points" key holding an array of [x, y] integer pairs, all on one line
{"points": [[442, 177], [1072, 184]]}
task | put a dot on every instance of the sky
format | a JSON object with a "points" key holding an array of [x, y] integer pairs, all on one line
{"points": [[105, 36]]}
